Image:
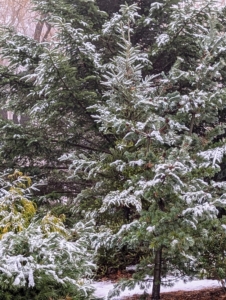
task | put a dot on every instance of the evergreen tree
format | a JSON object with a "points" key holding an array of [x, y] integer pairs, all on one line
{"points": [[168, 144], [39, 257], [54, 82], [146, 144]]}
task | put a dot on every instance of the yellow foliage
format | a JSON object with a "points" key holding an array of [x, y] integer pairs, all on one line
{"points": [[29, 208], [15, 175], [16, 211], [16, 191], [16, 215], [21, 181], [51, 223]]}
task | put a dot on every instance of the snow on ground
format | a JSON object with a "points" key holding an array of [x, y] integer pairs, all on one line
{"points": [[102, 288]]}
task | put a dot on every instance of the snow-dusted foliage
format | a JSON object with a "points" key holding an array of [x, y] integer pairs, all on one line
{"points": [[40, 258], [16, 209], [141, 120], [167, 140], [31, 259]]}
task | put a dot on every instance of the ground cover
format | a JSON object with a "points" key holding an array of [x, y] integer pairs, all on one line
{"points": [[192, 290], [206, 294]]}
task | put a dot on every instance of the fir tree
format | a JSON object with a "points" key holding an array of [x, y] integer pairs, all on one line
{"points": [[146, 144], [167, 149], [53, 83]]}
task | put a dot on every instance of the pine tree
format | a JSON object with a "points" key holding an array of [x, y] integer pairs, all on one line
{"points": [[168, 147]]}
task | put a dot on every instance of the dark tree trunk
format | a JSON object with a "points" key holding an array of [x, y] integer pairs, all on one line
{"points": [[157, 275]]}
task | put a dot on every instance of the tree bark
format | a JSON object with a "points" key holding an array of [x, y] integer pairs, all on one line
{"points": [[157, 275], [39, 28], [38, 31], [49, 27]]}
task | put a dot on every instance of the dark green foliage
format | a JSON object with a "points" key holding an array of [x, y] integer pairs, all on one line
{"points": [[133, 148], [110, 261], [57, 104], [43, 290], [213, 258]]}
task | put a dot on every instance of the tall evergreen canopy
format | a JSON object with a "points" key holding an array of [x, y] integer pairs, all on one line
{"points": [[126, 115], [58, 80]]}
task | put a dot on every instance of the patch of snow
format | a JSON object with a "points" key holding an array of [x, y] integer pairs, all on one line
{"points": [[102, 288], [131, 268]]}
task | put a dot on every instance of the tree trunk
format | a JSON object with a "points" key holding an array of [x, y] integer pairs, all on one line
{"points": [[39, 27], [38, 31], [157, 275], [49, 27]]}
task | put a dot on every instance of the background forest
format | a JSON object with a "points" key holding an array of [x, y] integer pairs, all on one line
{"points": [[113, 152]]}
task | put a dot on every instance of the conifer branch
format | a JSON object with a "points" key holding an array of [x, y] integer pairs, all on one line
{"points": [[77, 101]]}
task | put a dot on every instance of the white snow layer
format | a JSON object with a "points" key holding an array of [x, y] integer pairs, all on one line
{"points": [[102, 288]]}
